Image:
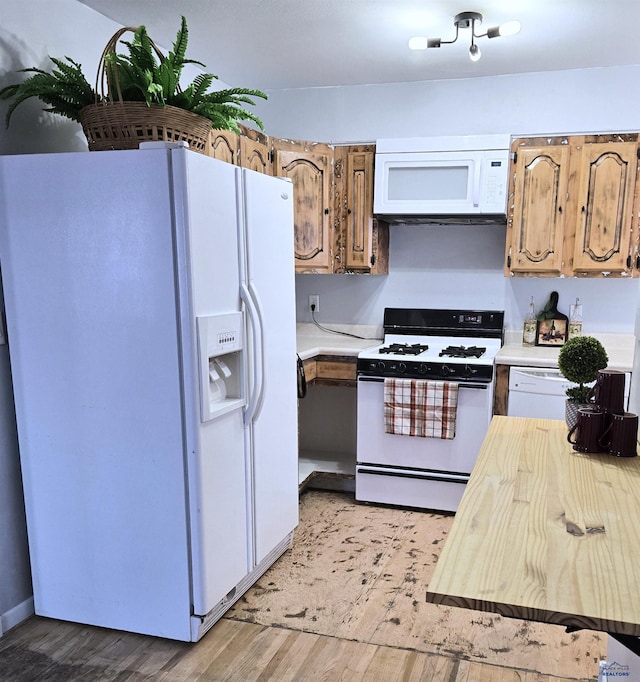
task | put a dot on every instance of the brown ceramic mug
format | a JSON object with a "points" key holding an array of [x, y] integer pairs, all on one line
{"points": [[620, 437], [587, 430], [608, 391]]}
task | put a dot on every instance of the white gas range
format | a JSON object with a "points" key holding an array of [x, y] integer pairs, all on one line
{"points": [[430, 350]]}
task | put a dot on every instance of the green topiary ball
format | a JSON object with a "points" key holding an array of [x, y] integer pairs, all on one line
{"points": [[580, 359]]}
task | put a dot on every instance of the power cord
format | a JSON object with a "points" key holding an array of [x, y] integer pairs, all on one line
{"points": [[336, 331]]}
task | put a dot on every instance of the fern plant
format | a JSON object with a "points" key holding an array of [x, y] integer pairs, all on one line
{"points": [[65, 89], [142, 74]]}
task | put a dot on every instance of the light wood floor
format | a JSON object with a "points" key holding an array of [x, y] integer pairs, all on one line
{"points": [[53, 651]]}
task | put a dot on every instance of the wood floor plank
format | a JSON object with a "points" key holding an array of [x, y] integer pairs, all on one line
{"points": [[192, 661], [428, 668], [250, 665]]}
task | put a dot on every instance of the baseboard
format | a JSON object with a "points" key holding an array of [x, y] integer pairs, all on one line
{"points": [[16, 615]]}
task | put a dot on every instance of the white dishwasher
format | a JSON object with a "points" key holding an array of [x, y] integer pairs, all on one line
{"points": [[537, 392], [541, 392]]}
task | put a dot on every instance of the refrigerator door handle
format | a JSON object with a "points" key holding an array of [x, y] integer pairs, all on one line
{"points": [[255, 401], [259, 350]]}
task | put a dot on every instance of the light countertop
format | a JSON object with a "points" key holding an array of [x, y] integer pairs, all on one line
{"points": [[312, 341], [545, 533], [620, 349]]}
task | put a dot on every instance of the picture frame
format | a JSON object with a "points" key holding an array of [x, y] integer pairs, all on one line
{"points": [[552, 332]]}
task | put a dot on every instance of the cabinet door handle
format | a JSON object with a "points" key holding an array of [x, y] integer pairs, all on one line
{"points": [[326, 211]]}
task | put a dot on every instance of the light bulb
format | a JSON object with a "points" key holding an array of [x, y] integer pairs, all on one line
{"points": [[509, 28], [418, 43], [474, 53]]}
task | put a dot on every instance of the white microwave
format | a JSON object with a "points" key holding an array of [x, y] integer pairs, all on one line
{"points": [[442, 176]]}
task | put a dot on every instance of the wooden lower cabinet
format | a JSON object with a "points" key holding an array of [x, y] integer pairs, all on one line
{"points": [[332, 370], [309, 369], [501, 390]]}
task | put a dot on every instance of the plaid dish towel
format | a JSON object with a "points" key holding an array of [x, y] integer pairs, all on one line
{"points": [[413, 407]]}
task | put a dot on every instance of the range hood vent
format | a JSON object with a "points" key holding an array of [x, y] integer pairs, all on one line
{"points": [[488, 219]]}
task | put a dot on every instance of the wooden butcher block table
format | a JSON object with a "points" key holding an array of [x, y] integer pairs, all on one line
{"points": [[545, 533]]}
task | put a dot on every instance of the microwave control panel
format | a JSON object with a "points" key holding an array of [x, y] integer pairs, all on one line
{"points": [[494, 184]]}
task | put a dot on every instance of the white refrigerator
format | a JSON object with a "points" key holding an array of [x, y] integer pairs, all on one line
{"points": [[150, 314]]}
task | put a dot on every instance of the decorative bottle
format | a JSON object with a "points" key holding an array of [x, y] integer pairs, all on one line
{"points": [[529, 331], [575, 319]]}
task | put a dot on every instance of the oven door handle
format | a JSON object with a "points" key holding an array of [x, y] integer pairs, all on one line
{"points": [[481, 387]]}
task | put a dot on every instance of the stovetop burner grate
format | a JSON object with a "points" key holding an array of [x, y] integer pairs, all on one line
{"points": [[462, 352], [404, 349]]}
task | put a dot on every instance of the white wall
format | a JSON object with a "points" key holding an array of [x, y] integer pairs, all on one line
{"points": [[461, 266], [561, 101], [29, 31]]}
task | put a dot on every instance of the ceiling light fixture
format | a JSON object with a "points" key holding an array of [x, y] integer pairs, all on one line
{"points": [[467, 20]]}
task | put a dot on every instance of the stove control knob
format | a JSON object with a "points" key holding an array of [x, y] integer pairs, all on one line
{"points": [[422, 368], [381, 365], [447, 371], [402, 368], [470, 371]]}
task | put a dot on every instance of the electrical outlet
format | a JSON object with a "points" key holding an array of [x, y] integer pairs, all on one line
{"points": [[314, 304]]}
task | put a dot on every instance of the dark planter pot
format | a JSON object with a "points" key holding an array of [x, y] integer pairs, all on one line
{"points": [[571, 412]]}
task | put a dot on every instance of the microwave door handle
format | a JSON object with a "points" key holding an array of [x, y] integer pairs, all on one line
{"points": [[475, 193]]}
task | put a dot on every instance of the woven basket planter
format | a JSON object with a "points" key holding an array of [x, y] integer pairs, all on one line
{"points": [[113, 123], [124, 125]]}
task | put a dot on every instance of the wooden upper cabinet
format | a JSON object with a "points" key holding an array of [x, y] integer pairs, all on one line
{"points": [[573, 209], [255, 156], [224, 146], [539, 195], [250, 149], [363, 241], [359, 209], [309, 166], [254, 151], [605, 212]]}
